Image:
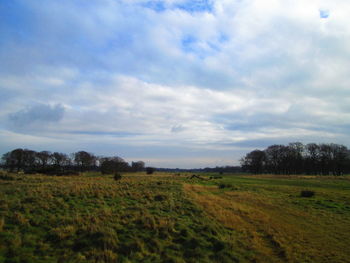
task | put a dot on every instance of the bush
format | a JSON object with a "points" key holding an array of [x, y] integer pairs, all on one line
{"points": [[30, 171], [7, 177], [227, 186], [50, 170], [117, 176], [307, 193], [66, 173], [150, 170], [222, 186], [159, 198]]}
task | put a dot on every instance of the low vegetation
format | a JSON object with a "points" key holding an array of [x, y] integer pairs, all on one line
{"points": [[272, 221], [91, 218], [167, 218], [307, 193]]}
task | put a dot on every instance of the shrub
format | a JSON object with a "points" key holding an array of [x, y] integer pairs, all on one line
{"points": [[222, 186], [307, 193], [228, 186], [159, 198], [30, 171], [117, 176], [5, 176], [150, 170], [66, 173]]}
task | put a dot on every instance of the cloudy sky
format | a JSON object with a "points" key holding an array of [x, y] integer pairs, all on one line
{"points": [[175, 83]]}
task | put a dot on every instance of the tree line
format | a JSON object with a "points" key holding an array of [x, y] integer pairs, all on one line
{"points": [[217, 169], [297, 158], [47, 162]]}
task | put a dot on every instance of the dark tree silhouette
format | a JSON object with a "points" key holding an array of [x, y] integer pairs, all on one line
{"points": [[43, 158], [60, 164], [109, 165], [60, 159], [137, 166], [254, 161], [84, 160], [14, 160], [296, 158]]}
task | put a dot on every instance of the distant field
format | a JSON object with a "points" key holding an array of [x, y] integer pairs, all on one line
{"points": [[167, 218]]}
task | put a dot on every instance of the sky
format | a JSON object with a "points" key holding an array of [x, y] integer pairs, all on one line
{"points": [[174, 83]]}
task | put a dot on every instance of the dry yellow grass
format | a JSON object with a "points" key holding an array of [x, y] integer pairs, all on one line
{"points": [[274, 232]]}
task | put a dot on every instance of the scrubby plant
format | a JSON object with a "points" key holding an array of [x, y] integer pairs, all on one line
{"points": [[159, 198], [117, 176], [150, 170], [2, 224], [5, 176], [222, 186], [307, 193]]}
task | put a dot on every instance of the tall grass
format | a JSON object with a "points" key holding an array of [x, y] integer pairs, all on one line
{"points": [[97, 219], [272, 220]]}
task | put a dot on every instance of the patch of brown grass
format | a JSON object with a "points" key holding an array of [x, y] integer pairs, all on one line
{"points": [[273, 231]]}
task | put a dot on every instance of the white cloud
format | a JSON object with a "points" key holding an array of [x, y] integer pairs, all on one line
{"points": [[243, 71]]}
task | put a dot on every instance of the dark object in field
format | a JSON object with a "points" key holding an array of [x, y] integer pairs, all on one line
{"points": [[52, 170], [68, 173], [7, 177], [198, 177], [307, 193], [30, 171], [117, 176], [150, 170], [215, 177], [222, 186], [159, 198]]}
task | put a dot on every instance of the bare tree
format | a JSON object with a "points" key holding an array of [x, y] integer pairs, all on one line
{"points": [[137, 166], [43, 158], [254, 161], [85, 160]]}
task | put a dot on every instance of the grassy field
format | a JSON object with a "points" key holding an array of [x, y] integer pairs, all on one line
{"points": [[167, 218]]}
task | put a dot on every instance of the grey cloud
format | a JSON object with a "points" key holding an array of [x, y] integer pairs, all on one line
{"points": [[177, 128], [40, 113], [272, 58], [105, 133], [108, 37]]}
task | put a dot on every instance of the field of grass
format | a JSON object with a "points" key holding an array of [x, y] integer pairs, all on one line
{"points": [[167, 218], [270, 218]]}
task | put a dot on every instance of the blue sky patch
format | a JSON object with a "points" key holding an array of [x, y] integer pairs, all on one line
{"points": [[324, 13], [175, 83], [158, 6], [188, 42], [196, 6]]}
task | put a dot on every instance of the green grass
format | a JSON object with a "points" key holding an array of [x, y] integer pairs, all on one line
{"points": [[96, 219], [165, 218], [273, 220]]}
